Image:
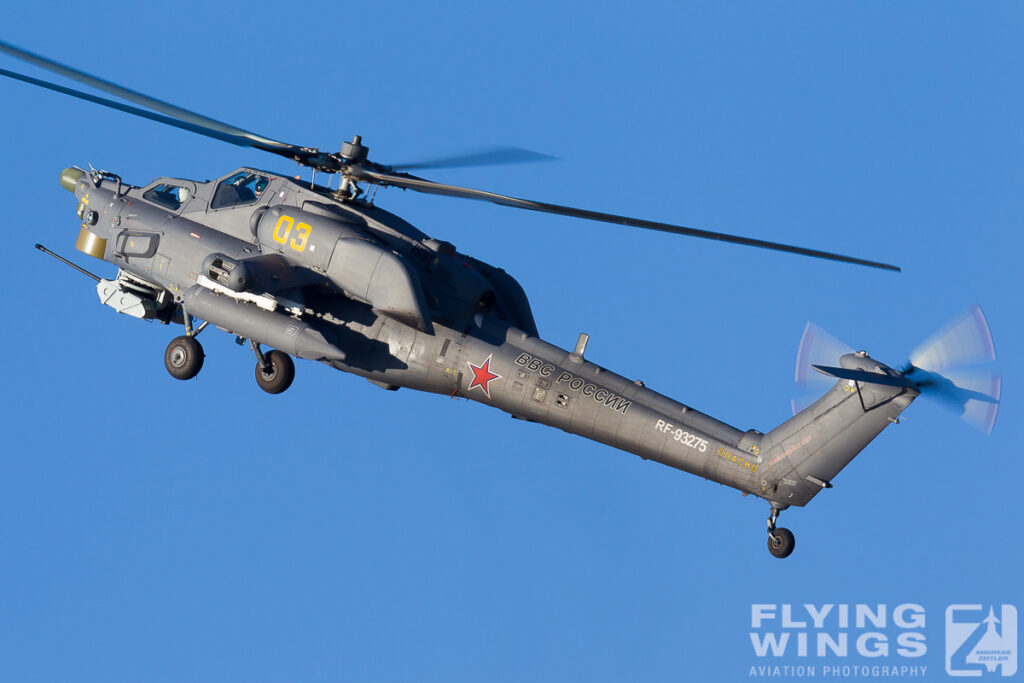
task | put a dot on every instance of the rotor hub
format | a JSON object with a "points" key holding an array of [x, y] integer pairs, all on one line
{"points": [[355, 151]]}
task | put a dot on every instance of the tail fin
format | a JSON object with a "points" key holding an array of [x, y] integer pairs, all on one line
{"points": [[806, 452]]}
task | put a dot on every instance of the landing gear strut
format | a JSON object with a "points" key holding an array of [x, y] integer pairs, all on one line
{"points": [[780, 540], [184, 356]]}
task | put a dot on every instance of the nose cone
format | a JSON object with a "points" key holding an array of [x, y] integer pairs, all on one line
{"points": [[69, 178]]}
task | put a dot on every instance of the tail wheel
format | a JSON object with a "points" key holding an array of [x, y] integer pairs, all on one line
{"points": [[184, 357], [277, 374], [781, 542]]}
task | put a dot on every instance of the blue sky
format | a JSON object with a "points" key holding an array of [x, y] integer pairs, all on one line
{"points": [[160, 530]]}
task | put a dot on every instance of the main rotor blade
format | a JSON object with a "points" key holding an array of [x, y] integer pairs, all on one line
{"points": [[492, 156], [431, 187], [166, 108], [127, 108], [300, 155]]}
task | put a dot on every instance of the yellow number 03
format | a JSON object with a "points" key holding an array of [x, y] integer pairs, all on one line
{"points": [[284, 228]]}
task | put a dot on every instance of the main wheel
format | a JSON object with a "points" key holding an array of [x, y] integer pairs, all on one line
{"points": [[184, 357], [781, 542], [281, 374]]}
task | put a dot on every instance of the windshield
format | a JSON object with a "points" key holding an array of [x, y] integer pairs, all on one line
{"points": [[242, 188], [170, 196]]}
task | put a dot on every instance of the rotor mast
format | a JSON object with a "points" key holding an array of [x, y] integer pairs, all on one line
{"points": [[353, 152]]}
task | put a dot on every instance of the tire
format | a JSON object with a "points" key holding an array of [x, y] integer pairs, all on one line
{"points": [[184, 358], [781, 542], [282, 372]]}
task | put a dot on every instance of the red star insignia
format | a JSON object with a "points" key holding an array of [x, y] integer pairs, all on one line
{"points": [[482, 376]]}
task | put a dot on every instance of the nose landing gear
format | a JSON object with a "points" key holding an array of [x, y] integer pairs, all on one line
{"points": [[780, 540]]}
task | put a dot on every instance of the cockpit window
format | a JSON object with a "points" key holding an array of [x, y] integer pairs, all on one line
{"points": [[169, 196], [242, 188]]}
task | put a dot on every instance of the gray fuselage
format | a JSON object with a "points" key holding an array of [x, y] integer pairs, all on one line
{"points": [[370, 294]]}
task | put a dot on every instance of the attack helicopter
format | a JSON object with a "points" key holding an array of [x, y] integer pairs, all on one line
{"points": [[324, 274]]}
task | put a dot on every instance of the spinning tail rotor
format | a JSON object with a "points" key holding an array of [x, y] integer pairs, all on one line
{"points": [[954, 367], [817, 347], [963, 342]]}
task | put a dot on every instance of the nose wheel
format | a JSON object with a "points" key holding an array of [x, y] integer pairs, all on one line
{"points": [[780, 540]]}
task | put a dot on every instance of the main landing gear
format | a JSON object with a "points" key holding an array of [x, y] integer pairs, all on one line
{"points": [[274, 369], [184, 357], [780, 540]]}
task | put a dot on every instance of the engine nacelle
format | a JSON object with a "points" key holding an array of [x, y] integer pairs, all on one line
{"points": [[362, 267]]}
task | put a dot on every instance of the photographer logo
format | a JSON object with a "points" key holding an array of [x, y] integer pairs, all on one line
{"points": [[981, 640]]}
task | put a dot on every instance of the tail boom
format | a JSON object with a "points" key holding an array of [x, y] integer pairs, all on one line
{"points": [[805, 453]]}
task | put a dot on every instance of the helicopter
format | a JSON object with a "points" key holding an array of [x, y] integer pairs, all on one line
{"points": [[324, 274]]}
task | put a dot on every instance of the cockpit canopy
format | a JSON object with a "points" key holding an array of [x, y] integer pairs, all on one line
{"points": [[167, 195], [244, 187]]}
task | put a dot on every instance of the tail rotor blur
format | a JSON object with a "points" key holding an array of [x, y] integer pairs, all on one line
{"points": [[954, 367], [817, 347]]}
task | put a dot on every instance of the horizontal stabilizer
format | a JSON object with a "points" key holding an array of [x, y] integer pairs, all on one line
{"points": [[864, 376]]}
